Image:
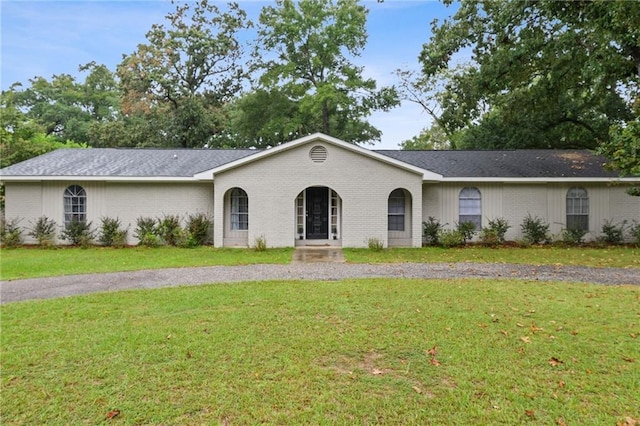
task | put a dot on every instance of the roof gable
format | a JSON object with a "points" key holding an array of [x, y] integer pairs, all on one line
{"points": [[316, 138]]}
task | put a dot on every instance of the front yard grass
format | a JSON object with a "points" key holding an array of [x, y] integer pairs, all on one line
{"points": [[612, 256], [34, 262], [391, 351]]}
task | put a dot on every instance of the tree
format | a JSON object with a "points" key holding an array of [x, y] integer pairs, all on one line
{"points": [[181, 80], [544, 74], [429, 138], [65, 108], [623, 151], [310, 72]]}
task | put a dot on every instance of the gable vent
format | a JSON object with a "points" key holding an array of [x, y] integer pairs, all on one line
{"points": [[318, 154]]}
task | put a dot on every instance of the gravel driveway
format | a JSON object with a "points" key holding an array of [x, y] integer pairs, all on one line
{"points": [[46, 288]]}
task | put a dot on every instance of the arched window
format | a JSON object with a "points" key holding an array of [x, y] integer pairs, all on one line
{"points": [[470, 207], [239, 210], [396, 210], [578, 209], [75, 204]]}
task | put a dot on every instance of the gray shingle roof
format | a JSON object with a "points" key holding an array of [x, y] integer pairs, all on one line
{"points": [[125, 162], [507, 164], [173, 163]]}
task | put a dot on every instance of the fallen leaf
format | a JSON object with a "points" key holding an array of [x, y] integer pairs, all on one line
{"points": [[504, 332], [417, 389], [483, 325], [628, 421], [634, 335], [553, 361], [626, 358], [561, 422], [574, 332], [530, 413], [432, 351], [519, 325], [113, 413], [526, 339], [535, 328], [561, 384], [434, 361], [376, 372]]}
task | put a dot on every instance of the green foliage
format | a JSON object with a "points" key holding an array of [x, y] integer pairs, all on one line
{"points": [[44, 231], [375, 244], [612, 233], [573, 236], [623, 150], [180, 80], [197, 228], [535, 230], [78, 233], [634, 230], [432, 138], [112, 233], [309, 72], [170, 230], [543, 74], [260, 243], [495, 232], [146, 232], [431, 231], [451, 238], [467, 230], [10, 232]]}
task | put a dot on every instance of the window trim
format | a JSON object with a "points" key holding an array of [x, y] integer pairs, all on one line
{"points": [[396, 210], [577, 208], [472, 212], [239, 210], [74, 204]]}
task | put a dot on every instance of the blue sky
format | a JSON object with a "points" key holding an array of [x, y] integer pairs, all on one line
{"points": [[44, 38]]}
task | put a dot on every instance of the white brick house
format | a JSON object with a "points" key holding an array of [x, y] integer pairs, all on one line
{"points": [[318, 190]]}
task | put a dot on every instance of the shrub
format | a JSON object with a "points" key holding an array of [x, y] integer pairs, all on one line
{"points": [[431, 230], [78, 233], [260, 243], [635, 231], [375, 244], [451, 238], [111, 232], [44, 230], [467, 230], [612, 234], [495, 232], [198, 229], [169, 230], [10, 232], [573, 236], [535, 230], [146, 232]]}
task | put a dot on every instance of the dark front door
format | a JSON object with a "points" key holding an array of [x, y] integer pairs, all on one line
{"points": [[317, 213]]}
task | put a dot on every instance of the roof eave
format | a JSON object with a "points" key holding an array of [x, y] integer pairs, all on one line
{"points": [[97, 179]]}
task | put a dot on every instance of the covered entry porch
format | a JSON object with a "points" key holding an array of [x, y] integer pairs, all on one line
{"points": [[318, 214]]}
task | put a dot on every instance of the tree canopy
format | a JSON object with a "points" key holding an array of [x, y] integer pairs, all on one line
{"points": [[542, 74], [182, 79], [309, 72]]}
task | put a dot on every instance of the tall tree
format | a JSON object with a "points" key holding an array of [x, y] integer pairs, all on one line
{"points": [[311, 43], [181, 80], [63, 108], [544, 73]]}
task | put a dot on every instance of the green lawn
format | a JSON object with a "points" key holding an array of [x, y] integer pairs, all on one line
{"points": [[347, 352], [33, 262], [614, 256]]}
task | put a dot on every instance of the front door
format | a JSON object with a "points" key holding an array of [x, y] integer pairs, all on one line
{"points": [[317, 213]]}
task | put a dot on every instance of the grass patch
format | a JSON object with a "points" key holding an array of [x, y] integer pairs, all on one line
{"points": [[616, 257], [356, 351], [35, 262]]}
